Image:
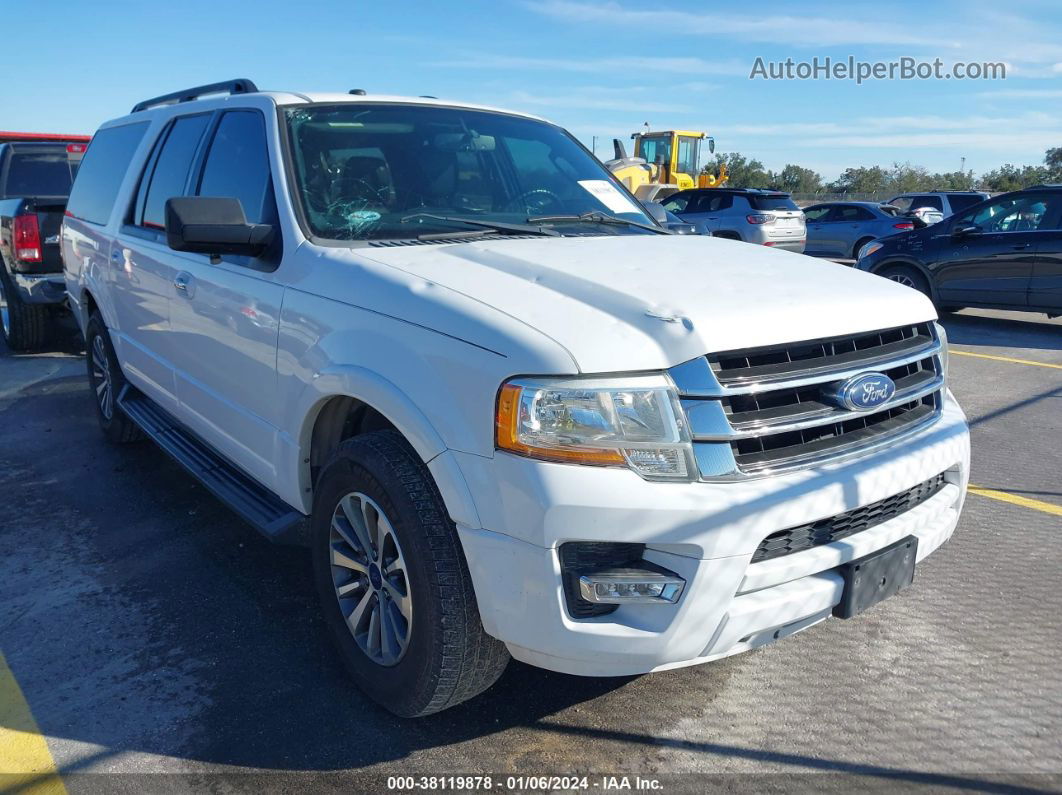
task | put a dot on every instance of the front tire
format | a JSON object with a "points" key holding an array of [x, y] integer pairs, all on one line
{"points": [[24, 326], [394, 586], [106, 381], [907, 276]]}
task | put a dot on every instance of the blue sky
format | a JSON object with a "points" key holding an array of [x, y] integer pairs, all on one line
{"points": [[598, 68]]}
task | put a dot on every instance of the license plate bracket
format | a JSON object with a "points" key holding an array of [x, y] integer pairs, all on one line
{"points": [[876, 577]]}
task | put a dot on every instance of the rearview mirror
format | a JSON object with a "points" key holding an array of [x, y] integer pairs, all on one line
{"points": [[965, 230], [209, 225]]}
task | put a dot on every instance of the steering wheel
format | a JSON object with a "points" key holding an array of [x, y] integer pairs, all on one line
{"points": [[537, 201]]}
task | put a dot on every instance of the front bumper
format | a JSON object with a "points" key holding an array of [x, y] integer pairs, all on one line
{"points": [[705, 532], [44, 288]]}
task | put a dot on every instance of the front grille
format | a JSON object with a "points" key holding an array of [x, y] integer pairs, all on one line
{"points": [[843, 525], [773, 408], [585, 557]]}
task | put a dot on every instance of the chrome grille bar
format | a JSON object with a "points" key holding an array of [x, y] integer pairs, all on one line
{"points": [[768, 410]]}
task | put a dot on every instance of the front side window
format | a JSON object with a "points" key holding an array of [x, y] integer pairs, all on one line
{"points": [[237, 166], [657, 150], [366, 172], [170, 175], [1023, 213]]}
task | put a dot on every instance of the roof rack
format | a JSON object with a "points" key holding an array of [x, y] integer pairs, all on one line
{"points": [[239, 86], [1045, 185]]}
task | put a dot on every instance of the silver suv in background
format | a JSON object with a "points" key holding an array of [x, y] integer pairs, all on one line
{"points": [[764, 217], [933, 206]]}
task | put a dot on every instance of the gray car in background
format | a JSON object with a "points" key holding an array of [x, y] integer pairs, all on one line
{"points": [[840, 229], [763, 217]]}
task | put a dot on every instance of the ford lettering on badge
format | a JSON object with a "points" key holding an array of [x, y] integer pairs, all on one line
{"points": [[865, 392]]}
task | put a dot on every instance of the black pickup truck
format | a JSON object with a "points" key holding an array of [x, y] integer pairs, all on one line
{"points": [[35, 179]]}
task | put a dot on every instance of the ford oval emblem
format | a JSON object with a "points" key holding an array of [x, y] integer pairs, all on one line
{"points": [[864, 392]]}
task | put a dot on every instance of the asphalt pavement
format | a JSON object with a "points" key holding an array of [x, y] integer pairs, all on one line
{"points": [[150, 631]]}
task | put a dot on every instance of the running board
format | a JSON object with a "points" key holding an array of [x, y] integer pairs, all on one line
{"points": [[255, 504]]}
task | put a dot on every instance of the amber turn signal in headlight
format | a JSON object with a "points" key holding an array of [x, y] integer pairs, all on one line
{"points": [[632, 422]]}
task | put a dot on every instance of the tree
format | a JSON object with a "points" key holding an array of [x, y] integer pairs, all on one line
{"points": [[861, 180], [744, 173], [1011, 177], [796, 179], [1053, 163]]}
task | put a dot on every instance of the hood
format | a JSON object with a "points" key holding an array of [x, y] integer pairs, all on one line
{"points": [[648, 302]]}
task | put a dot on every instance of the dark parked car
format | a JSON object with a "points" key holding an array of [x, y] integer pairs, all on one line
{"points": [[35, 179], [840, 229], [1004, 253]]}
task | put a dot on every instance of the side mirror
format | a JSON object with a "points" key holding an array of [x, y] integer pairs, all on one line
{"points": [[965, 230], [656, 211], [215, 226], [682, 228]]}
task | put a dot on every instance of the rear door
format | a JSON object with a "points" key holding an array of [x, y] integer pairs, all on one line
{"points": [[225, 321], [820, 238], [994, 264], [144, 266]]}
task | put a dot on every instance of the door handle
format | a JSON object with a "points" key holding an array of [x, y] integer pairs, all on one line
{"points": [[1019, 246], [184, 284]]}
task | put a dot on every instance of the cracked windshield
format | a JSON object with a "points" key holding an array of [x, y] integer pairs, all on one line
{"points": [[379, 172]]}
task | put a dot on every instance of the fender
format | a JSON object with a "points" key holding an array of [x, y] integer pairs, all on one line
{"points": [[386, 398]]}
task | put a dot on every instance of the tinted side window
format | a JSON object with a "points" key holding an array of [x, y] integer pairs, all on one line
{"points": [[855, 214], [171, 169], [102, 171], [927, 201], [961, 202], [902, 203], [678, 202], [237, 166], [818, 213]]}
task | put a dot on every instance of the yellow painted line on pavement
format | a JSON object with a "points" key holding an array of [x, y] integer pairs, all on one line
{"points": [[1014, 499], [26, 764], [1005, 359]]}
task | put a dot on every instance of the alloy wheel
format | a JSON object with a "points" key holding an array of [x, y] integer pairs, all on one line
{"points": [[101, 377], [371, 579], [902, 278]]}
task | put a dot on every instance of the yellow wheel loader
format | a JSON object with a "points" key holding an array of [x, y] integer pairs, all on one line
{"points": [[663, 163]]}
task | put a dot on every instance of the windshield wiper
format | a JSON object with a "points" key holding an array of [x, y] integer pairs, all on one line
{"points": [[497, 226], [595, 217]]}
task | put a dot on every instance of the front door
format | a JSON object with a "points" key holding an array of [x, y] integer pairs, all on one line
{"points": [[225, 315], [991, 262]]}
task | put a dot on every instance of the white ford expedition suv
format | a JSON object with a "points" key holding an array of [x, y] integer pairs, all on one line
{"points": [[444, 348]]}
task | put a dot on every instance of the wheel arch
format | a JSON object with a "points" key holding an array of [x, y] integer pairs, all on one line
{"points": [[908, 263], [343, 402]]}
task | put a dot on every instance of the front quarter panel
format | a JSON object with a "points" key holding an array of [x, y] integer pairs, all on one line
{"points": [[427, 358]]}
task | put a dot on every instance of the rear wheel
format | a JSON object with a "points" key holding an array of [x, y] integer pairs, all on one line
{"points": [[393, 582], [908, 277], [24, 326], [106, 381]]}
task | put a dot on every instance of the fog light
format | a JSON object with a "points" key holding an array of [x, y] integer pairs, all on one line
{"points": [[648, 585]]}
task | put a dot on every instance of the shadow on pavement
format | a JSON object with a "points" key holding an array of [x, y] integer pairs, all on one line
{"points": [[1032, 330]]}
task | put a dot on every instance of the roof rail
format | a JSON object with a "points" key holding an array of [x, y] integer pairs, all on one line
{"points": [[1045, 185], [239, 86]]}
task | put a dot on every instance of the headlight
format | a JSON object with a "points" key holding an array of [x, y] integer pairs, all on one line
{"points": [[869, 249], [633, 422], [942, 335]]}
